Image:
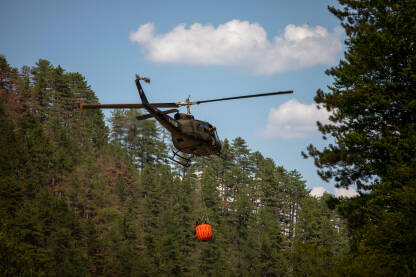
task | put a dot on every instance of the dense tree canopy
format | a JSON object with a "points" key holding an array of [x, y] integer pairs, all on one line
{"points": [[77, 199], [373, 99]]}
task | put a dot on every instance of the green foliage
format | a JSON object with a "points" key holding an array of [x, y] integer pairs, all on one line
{"points": [[10, 189], [35, 157], [74, 202], [140, 138], [272, 260], [38, 234], [320, 238], [373, 125]]}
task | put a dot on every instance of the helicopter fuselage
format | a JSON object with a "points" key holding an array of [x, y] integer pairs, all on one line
{"points": [[195, 137]]}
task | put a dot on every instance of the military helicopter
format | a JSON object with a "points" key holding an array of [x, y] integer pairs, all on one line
{"points": [[189, 135]]}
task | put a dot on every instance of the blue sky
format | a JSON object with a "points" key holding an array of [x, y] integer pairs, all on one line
{"points": [[206, 49]]}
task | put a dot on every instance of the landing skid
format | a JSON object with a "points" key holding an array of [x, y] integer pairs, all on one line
{"points": [[186, 162]]}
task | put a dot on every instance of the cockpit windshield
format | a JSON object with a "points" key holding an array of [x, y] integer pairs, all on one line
{"points": [[216, 136]]}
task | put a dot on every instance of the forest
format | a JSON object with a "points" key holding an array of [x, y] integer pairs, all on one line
{"points": [[79, 197]]}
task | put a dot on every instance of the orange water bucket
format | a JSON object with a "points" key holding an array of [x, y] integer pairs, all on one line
{"points": [[204, 232]]}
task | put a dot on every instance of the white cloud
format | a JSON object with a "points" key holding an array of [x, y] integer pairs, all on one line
{"points": [[241, 44], [339, 192], [317, 192], [294, 120], [346, 193]]}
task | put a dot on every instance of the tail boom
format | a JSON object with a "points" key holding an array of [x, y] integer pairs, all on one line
{"points": [[168, 122]]}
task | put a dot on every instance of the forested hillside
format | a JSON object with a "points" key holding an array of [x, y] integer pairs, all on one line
{"points": [[80, 199]]}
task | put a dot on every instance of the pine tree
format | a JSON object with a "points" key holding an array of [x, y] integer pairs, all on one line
{"points": [[73, 204], [212, 258], [42, 88], [11, 191], [140, 138], [10, 87], [35, 159], [374, 129], [117, 125], [272, 260], [320, 238], [86, 127], [62, 98]]}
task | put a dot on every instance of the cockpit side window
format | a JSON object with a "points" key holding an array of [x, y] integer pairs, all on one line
{"points": [[206, 128]]}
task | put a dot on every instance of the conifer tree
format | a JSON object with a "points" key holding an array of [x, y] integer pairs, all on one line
{"points": [[73, 204], [10, 89], [212, 254], [320, 238], [373, 125], [11, 191], [272, 260], [35, 158], [42, 88]]}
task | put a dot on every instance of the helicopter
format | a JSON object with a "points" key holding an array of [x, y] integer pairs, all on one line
{"points": [[189, 135]]}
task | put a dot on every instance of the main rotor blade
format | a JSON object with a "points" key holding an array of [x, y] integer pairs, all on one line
{"points": [[126, 106], [177, 104], [245, 96]]}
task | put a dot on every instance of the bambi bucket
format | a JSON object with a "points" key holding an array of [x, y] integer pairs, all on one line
{"points": [[204, 232]]}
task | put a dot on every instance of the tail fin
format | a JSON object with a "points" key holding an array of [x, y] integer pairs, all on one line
{"points": [[138, 77], [139, 88]]}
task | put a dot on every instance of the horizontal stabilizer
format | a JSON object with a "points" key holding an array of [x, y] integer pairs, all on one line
{"points": [[146, 116]]}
